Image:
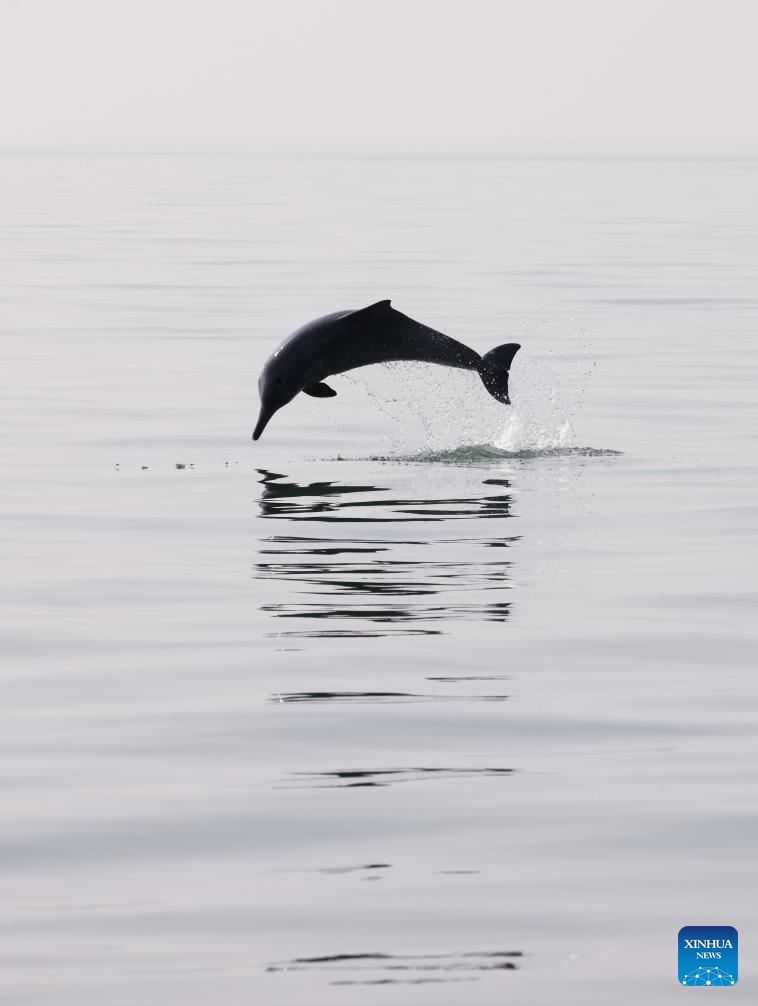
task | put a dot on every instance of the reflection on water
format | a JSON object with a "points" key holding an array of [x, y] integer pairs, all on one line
{"points": [[389, 776], [407, 969], [469, 677], [383, 696], [360, 584], [320, 501], [364, 867]]}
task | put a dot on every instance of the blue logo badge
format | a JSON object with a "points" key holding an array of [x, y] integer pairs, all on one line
{"points": [[708, 955]]}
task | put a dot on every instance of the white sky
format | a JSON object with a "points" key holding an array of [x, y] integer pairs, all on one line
{"points": [[346, 73]]}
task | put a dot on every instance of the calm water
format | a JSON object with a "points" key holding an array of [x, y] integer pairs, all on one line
{"points": [[419, 700]]}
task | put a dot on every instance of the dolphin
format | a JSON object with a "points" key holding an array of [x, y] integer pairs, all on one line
{"points": [[378, 333]]}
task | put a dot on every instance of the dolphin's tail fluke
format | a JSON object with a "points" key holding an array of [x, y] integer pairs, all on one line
{"points": [[494, 370]]}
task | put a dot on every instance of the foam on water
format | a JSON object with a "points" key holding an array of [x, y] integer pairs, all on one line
{"points": [[478, 453]]}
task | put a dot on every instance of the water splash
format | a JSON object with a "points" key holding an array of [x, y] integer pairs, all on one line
{"points": [[548, 395], [439, 413]]}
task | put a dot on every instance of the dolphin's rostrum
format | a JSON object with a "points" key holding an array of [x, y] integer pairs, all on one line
{"points": [[375, 334]]}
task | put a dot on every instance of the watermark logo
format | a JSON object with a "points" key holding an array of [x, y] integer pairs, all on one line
{"points": [[708, 955]]}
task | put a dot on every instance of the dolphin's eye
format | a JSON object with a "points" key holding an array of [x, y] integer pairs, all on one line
{"points": [[278, 380]]}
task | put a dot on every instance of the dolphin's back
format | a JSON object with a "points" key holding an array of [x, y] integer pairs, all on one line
{"points": [[379, 334]]}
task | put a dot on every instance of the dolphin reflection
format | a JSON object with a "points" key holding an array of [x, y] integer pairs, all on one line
{"points": [[383, 584], [406, 969]]}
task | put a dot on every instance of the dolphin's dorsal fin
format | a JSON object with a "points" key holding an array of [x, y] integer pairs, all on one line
{"points": [[373, 310]]}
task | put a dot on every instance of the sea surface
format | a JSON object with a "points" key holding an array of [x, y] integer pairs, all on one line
{"points": [[420, 699]]}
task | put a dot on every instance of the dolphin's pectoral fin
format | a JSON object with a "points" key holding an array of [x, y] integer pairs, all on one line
{"points": [[320, 390]]}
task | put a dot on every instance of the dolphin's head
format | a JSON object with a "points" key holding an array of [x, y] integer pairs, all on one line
{"points": [[290, 368], [275, 388]]}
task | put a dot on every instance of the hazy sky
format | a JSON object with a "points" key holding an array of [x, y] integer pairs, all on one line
{"points": [[350, 72]]}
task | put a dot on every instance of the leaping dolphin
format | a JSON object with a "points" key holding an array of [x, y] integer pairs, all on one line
{"points": [[375, 334]]}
